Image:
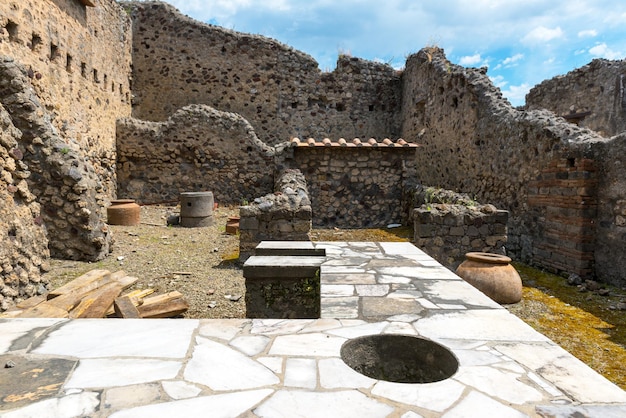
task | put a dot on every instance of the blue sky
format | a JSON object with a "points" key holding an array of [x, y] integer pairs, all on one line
{"points": [[521, 42]]}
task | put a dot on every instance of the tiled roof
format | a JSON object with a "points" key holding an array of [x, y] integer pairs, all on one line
{"points": [[356, 142]]}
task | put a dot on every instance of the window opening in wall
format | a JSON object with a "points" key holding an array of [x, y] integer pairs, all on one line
{"points": [[95, 76], [571, 162], [340, 107], [35, 41], [112, 86], [54, 52], [83, 69], [68, 63], [294, 105], [11, 28], [121, 91], [370, 108]]}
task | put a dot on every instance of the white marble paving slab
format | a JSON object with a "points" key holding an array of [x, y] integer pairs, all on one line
{"points": [[308, 345], [223, 329], [101, 373], [372, 289], [322, 324], [250, 345], [400, 328], [279, 326], [13, 329], [301, 373], [330, 290], [340, 307], [565, 371], [225, 405], [335, 374], [400, 248], [483, 325], [436, 396], [477, 405], [456, 292], [373, 328], [180, 389], [344, 404], [476, 358], [275, 364], [89, 338], [500, 384], [426, 273], [75, 405], [354, 278], [223, 368]]}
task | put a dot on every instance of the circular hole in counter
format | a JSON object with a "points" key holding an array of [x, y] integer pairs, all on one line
{"points": [[399, 358]]}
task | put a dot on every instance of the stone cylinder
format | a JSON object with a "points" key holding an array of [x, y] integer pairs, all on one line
{"points": [[196, 209], [493, 275], [123, 212]]}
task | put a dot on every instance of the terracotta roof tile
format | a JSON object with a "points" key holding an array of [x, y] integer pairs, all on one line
{"points": [[356, 142]]}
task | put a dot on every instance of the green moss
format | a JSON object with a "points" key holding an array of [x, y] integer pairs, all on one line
{"points": [[582, 323]]}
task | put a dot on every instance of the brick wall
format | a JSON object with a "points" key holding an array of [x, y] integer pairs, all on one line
{"points": [[563, 200]]}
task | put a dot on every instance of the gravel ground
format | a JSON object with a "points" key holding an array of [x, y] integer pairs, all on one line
{"points": [[201, 263]]}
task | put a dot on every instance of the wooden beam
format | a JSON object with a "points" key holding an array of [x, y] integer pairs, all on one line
{"points": [[86, 279], [163, 306], [124, 308], [97, 302]]}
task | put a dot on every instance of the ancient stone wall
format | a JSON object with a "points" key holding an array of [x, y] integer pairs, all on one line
{"points": [[284, 215], [356, 184], [197, 149], [476, 142], [449, 231], [23, 241], [593, 96], [61, 179], [282, 93], [79, 61], [610, 220]]}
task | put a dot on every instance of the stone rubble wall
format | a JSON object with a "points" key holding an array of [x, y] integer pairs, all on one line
{"points": [[197, 149], [79, 63], [448, 225], [357, 187], [282, 92], [62, 180], [474, 141], [610, 218], [23, 241], [593, 96], [284, 215]]}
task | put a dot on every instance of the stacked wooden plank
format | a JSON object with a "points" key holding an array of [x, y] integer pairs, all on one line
{"points": [[98, 294]]}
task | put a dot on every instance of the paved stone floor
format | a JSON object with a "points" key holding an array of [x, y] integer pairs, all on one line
{"points": [[293, 368]]}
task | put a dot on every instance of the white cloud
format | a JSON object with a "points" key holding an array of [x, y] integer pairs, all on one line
{"points": [[512, 60], [589, 33], [542, 34], [603, 51], [517, 94], [470, 60]]}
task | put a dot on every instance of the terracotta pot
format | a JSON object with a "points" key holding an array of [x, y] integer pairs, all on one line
{"points": [[123, 212], [493, 275]]}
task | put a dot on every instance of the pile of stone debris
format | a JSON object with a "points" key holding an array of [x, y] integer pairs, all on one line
{"points": [[97, 294]]}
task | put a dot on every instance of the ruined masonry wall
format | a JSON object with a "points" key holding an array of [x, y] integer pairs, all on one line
{"points": [[61, 179], [357, 187], [78, 59], [23, 242], [284, 215], [197, 149], [448, 231], [282, 93], [474, 141], [594, 96]]}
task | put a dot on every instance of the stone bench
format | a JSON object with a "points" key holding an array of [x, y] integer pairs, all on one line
{"points": [[286, 284]]}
